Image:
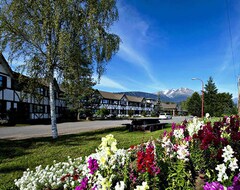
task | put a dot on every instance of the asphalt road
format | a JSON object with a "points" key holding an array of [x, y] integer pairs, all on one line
{"points": [[34, 131]]}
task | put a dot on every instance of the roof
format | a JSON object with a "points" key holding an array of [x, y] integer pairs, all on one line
{"points": [[5, 65], [111, 96], [169, 106], [16, 75], [134, 98]]}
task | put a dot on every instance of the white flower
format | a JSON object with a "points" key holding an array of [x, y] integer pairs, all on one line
{"points": [[228, 120], [182, 152], [227, 153], [233, 164], [144, 186], [207, 115], [221, 174], [120, 185], [194, 127], [178, 133]]}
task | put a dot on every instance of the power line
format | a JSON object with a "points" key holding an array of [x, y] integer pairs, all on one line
{"points": [[231, 41]]}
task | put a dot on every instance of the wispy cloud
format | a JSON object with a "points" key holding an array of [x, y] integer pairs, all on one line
{"points": [[231, 60], [109, 83], [134, 33]]}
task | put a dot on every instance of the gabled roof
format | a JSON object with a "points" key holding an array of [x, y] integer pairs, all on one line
{"points": [[5, 65], [134, 99], [111, 96], [16, 75], [169, 106]]}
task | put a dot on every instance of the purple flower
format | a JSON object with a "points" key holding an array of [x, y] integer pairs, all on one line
{"points": [[213, 186], [173, 126], [236, 183], [83, 185], [92, 165], [164, 133]]}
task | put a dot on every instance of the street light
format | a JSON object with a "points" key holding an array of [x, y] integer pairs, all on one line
{"points": [[202, 95]]}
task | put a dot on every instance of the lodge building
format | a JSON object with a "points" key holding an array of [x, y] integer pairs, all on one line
{"points": [[26, 106], [13, 100], [121, 104]]}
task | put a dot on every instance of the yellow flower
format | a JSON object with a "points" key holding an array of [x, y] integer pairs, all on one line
{"points": [[106, 184], [114, 146], [102, 160]]}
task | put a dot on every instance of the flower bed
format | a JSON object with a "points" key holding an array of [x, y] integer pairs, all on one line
{"points": [[194, 155]]}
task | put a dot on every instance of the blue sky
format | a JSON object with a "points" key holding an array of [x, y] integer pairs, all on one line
{"points": [[165, 43]]}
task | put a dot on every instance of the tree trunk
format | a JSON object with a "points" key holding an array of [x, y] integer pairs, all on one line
{"points": [[52, 108]]}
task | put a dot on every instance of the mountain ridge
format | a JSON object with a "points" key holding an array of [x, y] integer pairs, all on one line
{"points": [[171, 95]]}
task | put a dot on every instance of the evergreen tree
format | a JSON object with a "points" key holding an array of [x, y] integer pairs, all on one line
{"points": [[53, 36], [194, 104], [224, 104], [158, 106], [210, 97], [184, 104]]}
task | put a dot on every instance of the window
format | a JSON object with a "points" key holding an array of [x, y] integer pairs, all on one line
{"points": [[115, 102], [123, 102], [105, 101], [38, 108], [3, 81]]}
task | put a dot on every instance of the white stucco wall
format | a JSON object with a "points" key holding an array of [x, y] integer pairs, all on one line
{"points": [[8, 94]]}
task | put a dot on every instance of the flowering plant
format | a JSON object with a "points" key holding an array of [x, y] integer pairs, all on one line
{"points": [[193, 155]]}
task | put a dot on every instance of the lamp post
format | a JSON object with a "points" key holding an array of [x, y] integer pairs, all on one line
{"points": [[202, 95]]}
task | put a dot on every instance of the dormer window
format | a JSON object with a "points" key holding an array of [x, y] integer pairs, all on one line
{"points": [[3, 82]]}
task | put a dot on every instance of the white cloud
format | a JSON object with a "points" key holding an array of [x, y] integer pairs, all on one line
{"points": [[230, 60], [134, 33], [109, 83]]}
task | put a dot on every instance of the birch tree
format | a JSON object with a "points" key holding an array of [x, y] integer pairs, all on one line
{"points": [[52, 35]]}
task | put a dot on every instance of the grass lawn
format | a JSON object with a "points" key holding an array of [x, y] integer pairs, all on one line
{"points": [[17, 156]]}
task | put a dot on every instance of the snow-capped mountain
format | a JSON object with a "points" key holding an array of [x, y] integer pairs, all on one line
{"points": [[178, 95], [173, 95]]}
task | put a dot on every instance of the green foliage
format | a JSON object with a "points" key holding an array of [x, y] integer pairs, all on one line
{"points": [[157, 107], [144, 113], [179, 176], [130, 113], [102, 112], [217, 104], [59, 38], [194, 104], [184, 104]]}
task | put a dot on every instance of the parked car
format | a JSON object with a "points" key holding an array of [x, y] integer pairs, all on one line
{"points": [[165, 116]]}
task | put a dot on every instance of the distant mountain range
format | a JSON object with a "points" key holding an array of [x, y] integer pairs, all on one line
{"points": [[172, 95], [177, 95]]}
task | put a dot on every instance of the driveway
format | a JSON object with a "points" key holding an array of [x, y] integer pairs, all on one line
{"points": [[34, 131]]}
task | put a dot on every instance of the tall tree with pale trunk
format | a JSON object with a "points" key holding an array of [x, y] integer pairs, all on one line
{"points": [[55, 35]]}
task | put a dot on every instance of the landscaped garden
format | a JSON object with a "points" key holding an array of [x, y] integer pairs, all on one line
{"points": [[191, 155], [17, 156]]}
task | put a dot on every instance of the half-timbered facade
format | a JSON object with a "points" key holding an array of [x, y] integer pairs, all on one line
{"points": [[121, 104], [16, 101]]}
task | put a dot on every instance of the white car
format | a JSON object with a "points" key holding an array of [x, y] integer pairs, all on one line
{"points": [[165, 116]]}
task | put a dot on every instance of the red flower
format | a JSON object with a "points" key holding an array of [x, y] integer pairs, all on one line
{"points": [[146, 161]]}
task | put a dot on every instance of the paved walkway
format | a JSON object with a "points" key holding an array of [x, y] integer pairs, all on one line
{"points": [[63, 128]]}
